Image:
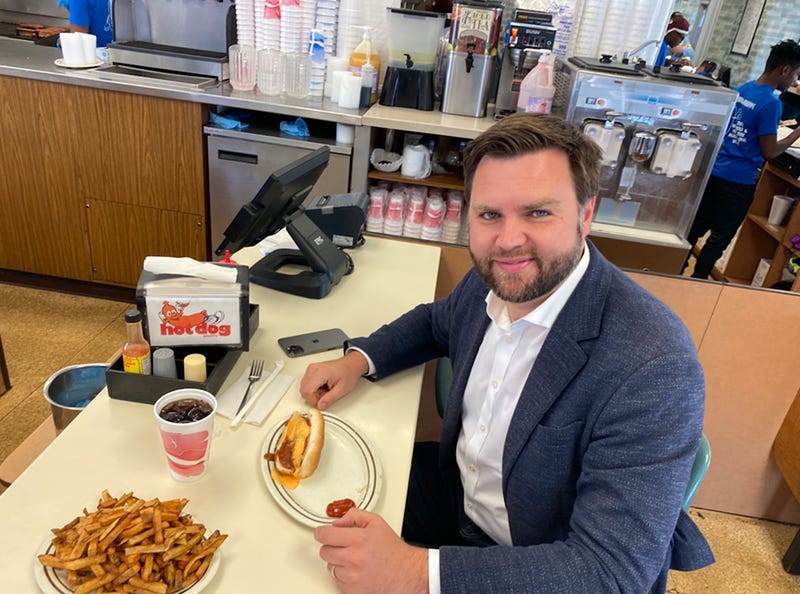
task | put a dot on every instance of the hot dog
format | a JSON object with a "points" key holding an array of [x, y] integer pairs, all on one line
{"points": [[299, 448]]}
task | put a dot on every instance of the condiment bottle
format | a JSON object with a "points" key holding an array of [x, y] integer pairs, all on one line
{"points": [[364, 54], [136, 350]]}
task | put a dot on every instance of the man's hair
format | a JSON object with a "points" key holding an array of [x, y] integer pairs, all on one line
{"points": [[785, 53], [525, 133]]}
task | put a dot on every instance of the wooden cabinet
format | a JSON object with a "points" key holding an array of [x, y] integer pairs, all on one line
{"points": [[94, 180], [758, 239]]}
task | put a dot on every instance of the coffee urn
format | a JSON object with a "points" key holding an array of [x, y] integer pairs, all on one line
{"points": [[472, 51]]}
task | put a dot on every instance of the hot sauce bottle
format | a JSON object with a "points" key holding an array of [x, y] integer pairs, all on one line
{"points": [[136, 350]]}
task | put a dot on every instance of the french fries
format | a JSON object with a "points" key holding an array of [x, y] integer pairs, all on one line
{"points": [[134, 546]]}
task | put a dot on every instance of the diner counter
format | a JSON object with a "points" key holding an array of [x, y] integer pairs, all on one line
{"points": [[114, 444], [23, 59]]}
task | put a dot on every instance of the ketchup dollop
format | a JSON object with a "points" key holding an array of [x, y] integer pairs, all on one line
{"points": [[338, 508]]}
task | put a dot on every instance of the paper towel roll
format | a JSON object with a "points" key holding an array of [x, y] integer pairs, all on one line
{"points": [[350, 92]]}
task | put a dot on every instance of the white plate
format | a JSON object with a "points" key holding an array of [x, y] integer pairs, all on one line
{"points": [[348, 468], [95, 64], [54, 581]]}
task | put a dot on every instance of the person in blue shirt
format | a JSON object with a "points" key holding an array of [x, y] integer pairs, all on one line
{"points": [[672, 44], [91, 16], [752, 137]]}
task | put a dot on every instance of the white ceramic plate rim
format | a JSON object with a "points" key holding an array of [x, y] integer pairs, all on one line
{"points": [[50, 581], [60, 62], [284, 497]]}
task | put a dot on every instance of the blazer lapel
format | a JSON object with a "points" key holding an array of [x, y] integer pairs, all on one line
{"points": [[561, 357]]}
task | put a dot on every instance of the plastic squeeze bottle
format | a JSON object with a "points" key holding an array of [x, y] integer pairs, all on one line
{"points": [[365, 54], [537, 89], [136, 350]]}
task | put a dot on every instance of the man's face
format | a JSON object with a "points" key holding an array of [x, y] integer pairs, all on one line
{"points": [[526, 229], [789, 77], [673, 38]]}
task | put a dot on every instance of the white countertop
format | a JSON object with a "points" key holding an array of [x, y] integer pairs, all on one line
{"points": [[114, 444]]}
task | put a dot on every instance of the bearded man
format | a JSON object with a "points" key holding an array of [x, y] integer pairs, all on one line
{"points": [[575, 410]]}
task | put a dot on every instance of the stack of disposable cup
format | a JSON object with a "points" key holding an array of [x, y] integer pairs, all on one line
{"points": [[268, 24], [451, 226], [432, 220], [245, 22], [316, 47], [412, 226], [291, 27], [377, 200], [308, 14], [327, 20], [393, 219], [351, 26]]}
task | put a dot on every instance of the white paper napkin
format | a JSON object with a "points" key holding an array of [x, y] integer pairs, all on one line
{"points": [[190, 267], [268, 396]]}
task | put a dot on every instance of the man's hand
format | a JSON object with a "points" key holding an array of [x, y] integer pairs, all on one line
{"points": [[364, 555], [324, 383]]}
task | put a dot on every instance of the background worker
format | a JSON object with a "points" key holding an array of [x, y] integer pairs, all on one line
{"points": [[575, 410], [91, 16], [672, 46], [752, 137]]}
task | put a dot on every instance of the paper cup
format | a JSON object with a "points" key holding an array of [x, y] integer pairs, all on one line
{"points": [[780, 207], [72, 49], [186, 445], [89, 46]]}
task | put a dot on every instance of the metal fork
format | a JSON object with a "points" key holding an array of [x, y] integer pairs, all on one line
{"points": [[256, 368]]}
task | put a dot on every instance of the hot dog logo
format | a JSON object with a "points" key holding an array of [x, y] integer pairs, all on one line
{"points": [[177, 321]]}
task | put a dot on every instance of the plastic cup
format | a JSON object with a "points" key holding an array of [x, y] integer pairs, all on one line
{"points": [[242, 65], [186, 445], [296, 75], [270, 76]]}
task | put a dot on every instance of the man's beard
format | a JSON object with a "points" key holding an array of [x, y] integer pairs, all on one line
{"points": [[511, 287]]}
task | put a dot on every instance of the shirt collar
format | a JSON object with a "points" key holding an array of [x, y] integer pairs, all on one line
{"points": [[545, 313]]}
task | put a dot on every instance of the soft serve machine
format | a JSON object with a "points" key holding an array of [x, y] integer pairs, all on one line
{"points": [[659, 133]]}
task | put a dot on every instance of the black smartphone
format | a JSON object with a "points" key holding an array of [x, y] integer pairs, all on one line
{"points": [[312, 342]]}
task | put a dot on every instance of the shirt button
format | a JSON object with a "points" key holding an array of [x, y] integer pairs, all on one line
{"points": [[483, 428], [469, 505], [494, 384], [472, 468], [509, 339]]}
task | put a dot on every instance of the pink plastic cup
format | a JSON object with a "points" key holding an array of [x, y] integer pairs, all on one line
{"points": [[186, 445]]}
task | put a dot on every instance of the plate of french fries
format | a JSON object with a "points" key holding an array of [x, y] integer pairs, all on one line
{"points": [[129, 545]]}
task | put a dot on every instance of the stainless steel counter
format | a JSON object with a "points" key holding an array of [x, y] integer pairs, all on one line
{"points": [[24, 59]]}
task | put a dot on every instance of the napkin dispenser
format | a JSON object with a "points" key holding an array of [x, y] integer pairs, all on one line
{"points": [[149, 388], [189, 311], [342, 217]]}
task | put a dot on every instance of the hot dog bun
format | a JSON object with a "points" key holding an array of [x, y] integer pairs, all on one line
{"points": [[299, 448]]}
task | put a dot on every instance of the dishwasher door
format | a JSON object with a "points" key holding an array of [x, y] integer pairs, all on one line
{"points": [[240, 162]]}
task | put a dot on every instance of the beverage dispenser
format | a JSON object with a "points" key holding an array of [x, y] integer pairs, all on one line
{"points": [[413, 42], [527, 35], [472, 50], [659, 138]]}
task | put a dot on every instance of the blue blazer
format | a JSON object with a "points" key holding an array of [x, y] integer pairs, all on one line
{"points": [[600, 446]]}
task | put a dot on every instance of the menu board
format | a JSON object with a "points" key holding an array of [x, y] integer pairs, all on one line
{"points": [[475, 28]]}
